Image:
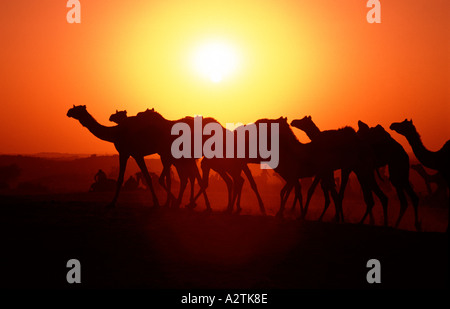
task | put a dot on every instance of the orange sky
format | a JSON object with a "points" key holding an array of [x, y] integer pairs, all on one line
{"points": [[298, 58]]}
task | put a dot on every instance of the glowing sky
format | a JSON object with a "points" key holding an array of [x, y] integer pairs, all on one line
{"points": [[296, 58]]}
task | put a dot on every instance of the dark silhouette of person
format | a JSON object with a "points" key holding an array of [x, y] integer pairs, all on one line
{"points": [[100, 177], [131, 184]]}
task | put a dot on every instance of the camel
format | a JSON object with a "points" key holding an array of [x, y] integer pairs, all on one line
{"points": [[429, 179], [119, 117], [389, 152], [436, 160], [349, 153], [137, 137], [298, 160], [225, 167], [229, 169]]}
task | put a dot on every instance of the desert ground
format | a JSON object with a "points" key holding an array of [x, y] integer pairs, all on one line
{"points": [[138, 246]]}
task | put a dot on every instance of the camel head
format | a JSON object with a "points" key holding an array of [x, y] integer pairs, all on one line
{"points": [[405, 127], [302, 124], [118, 116], [77, 112]]}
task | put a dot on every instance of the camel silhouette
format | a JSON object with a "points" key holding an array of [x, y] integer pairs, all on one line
{"points": [[348, 152], [298, 160], [230, 169], [429, 179], [119, 117], [436, 160], [225, 167], [186, 167], [125, 140], [389, 152], [138, 136]]}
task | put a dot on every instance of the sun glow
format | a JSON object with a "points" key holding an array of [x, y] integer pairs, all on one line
{"points": [[215, 61]]}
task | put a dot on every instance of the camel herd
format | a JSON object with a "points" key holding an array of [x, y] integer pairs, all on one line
{"points": [[361, 152]]}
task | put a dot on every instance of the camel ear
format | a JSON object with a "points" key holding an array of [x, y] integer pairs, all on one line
{"points": [[362, 126], [117, 111], [309, 117], [153, 109], [74, 105]]}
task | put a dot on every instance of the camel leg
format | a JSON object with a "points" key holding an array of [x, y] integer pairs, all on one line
{"points": [[183, 184], [383, 199], [238, 183], [284, 194], [294, 203], [123, 159], [368, 199], [141, 163], [202, 186], [239, 194], [165, 175], [448, 186], [345, 175], [252, 182], [403, 204], [311, 190], [205, 179], [415, 202], [170, 196], [338, 205], [229, 184], [329, 186], [327, 203], [192, 200], [298, 197]]}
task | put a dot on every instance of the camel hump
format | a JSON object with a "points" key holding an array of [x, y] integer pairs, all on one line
{"points": [[347, 130], [338, 136]]}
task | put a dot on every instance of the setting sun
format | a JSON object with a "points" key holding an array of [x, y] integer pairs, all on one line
{"points": [[215, 60]]}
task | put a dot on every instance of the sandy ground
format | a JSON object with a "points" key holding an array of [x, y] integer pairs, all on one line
{"points": [[137, 246]]}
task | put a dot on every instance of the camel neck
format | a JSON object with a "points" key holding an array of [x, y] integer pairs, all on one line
{"points": [[313, 132], [426, 157], [100, 131]]}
